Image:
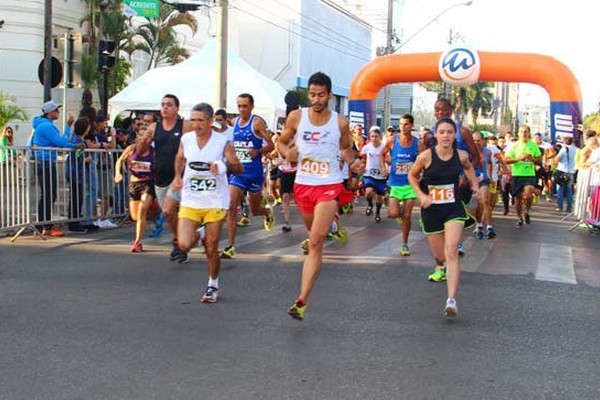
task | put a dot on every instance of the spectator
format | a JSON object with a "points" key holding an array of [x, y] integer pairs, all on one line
{"points": [[563, 175], [6, 139], [46, 134], [75, 173]]}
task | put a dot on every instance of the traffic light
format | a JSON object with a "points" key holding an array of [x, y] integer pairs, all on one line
{"points": [[106, 59]]}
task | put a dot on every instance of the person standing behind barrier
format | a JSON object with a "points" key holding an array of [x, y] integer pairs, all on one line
{"points": [[166, 134], [565, 168], [105, 135], [443, 214], [7, 139], [75, 173], [140, 159], [46, 134]]}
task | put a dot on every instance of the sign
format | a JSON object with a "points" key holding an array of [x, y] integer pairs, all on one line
{"points": [[460, 66], [57, 72], [141, 8], [564, 118]]}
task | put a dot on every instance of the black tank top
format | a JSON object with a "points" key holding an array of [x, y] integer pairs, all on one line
{"points": [[443, 176], [166, 145]]}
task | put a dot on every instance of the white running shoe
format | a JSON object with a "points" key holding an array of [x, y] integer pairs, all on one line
{"points": [[451, 309]]}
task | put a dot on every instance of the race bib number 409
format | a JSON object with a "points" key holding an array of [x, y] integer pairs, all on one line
{"points": [[442, 194], [314, 167], [199, 184]]}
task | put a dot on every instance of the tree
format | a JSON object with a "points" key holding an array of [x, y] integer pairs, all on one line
{"points": [[158, 38], [9, 110]]}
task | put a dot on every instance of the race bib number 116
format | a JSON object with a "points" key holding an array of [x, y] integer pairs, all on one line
{"points": [[442, 194]]}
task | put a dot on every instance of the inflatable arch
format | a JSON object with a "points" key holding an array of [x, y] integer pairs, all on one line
{"points": [[462, 66]]}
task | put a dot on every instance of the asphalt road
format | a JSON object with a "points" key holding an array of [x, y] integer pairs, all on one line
{"points": [[82, 318]]}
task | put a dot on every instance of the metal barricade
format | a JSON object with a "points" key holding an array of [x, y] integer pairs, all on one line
{"points": [[44, 186], [587, 199]]}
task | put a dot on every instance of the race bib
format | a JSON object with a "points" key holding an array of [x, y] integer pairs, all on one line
{"points": [[442, 194], [140, 166], [374, 172], [314, 167], [243, 155], [200, 184], [402, 168]]}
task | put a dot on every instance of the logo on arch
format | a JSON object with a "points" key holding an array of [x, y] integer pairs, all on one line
{"points": [[460, 66]]}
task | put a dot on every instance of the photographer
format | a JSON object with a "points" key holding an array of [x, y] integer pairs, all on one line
{"points": [[563, 175]]}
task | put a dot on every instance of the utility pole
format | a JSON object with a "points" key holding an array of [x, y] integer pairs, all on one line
{"points": [[222, 24], [48, 50], [446, 86], [387, 90]]}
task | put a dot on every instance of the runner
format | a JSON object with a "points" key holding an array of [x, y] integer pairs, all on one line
{"points": [[251, 141], [322, 138], [140, 160], [286, 180], [498, 168], [443, 215], [523, 155], [204, 189], [404, 150], [166, 134], [483, 212], [375, 184]]}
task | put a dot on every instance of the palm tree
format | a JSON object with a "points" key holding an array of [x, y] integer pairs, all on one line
{"points": [[158, 38], [9, 111], [480, 99]]}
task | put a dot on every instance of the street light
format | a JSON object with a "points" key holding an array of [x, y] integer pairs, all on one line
{"points": [[444, 11], [391, 50]]}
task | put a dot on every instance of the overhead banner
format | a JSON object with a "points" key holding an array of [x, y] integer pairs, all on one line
{"points": [[141, 8]]}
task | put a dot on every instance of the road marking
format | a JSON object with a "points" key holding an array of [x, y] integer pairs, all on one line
{"points": [[476, 251], [555, 264]]}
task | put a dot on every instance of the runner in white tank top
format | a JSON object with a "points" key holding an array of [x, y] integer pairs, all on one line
{"points": [[204, 189], [318, 139]]}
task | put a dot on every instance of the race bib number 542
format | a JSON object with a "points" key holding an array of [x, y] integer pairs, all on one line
{"points": [[314, 167], [199, 184], [442, 194]]}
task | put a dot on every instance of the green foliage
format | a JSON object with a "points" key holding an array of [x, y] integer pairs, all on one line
{"points": [[303, 93], [591, 120], [9, 110], [120, 73], [89, 70]]}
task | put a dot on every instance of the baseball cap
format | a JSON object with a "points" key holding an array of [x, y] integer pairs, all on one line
{"points": [[100, 117], [50, 106], [374, 128], [538, 134]]}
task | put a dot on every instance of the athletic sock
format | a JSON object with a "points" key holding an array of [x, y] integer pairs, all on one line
{"points": [[378, 207], [370, 201], [213, 282], [480, 225]]}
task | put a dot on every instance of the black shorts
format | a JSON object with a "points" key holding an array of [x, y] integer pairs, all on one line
{"points": [[435, 216], [518, 183], [286, 182], [274, 174], [138, 188], [465, 193]]}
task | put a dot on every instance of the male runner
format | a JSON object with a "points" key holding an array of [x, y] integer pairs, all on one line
{"points": [[375, 184], [404, 150], [204, 189], [166, 134], [322, 140], [249, 135], [523, 155]]}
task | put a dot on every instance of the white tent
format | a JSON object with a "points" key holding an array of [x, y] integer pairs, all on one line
{"points": [[193, 82]]}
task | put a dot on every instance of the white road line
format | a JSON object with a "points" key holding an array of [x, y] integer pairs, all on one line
{"points": [[555, 264], [295, 248], [476, 251]]}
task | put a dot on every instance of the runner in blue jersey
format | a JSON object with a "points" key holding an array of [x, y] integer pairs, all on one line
{"points": [[404, 150], [483, 212], [251, 141]]}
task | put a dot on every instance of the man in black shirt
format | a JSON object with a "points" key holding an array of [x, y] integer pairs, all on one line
{"points": [[167, 134]]}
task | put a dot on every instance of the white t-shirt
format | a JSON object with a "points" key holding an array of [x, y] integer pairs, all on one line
{"points": [[495, 163]]}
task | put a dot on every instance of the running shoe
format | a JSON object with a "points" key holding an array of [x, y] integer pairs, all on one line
{"points": [[439, 275], [451, 309], [184, 258], [346, 208], [269, 220], [228, 252], [53, 232], [399, 220], [157, 232], [211, 295], [461, 250], [489, 233], [404, 250], [137, 247], [341, 235], [297, 310], [377, 217], [479, 234], [304, 246], [369, 211], [244, 221], [520, 223], [287, 227], [175, 253], [278, 201], [329, 236], [527, 218], [264, 201], [536, 199]]}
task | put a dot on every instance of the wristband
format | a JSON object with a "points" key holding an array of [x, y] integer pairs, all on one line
{"points": [[221, 167]]}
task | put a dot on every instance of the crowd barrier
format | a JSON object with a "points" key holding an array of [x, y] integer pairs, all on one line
{"points": [[44, 186], [587, 199]]}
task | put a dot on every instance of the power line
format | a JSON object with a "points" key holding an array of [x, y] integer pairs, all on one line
{"points": [[301, 35], [338, 37]]}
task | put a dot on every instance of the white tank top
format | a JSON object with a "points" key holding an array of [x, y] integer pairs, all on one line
{"points": [[202, 189], [318, 151], [372, 167]]}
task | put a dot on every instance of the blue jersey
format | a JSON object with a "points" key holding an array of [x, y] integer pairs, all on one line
{"points": [[245, 140], [401, 161], [483, 172]]}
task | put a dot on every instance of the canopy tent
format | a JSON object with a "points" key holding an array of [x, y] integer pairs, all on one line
{"points": [[193, 82]]}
